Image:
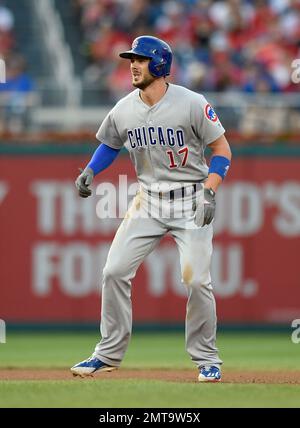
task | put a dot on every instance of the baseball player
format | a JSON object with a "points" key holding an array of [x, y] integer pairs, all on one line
{"points": [[165, 128]]}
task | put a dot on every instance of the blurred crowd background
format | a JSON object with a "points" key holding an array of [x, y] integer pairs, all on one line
{"points": [[64, 54], [234, 45]]}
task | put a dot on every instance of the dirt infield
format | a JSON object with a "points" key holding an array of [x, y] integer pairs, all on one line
{"points": [[186, 376]]}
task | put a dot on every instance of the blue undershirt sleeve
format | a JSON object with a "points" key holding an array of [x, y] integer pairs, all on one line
{"points": [[102, 158]]}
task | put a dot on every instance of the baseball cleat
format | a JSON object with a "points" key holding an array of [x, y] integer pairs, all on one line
{"points": [[90, 366], [209, 374]]}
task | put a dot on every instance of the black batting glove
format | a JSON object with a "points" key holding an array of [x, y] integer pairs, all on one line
{"points": [[209, 206], [83, 181]]}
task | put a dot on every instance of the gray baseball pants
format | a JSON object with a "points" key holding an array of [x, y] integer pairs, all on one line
{"points": [[136, 237]]}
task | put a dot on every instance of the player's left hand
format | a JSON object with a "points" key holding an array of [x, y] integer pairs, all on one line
{"points": [[83, 181], [209, 206]]}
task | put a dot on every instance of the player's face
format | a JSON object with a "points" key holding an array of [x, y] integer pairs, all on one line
{"points": [[141, 77]]}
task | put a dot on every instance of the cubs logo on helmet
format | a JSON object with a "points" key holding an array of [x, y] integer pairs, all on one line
{"points": [[135, 44]]}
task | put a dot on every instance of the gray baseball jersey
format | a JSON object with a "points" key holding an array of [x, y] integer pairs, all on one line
{"points": [[166, 142]]}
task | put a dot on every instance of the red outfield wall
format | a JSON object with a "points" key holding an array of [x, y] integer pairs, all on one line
{"points": [[53, 246]]}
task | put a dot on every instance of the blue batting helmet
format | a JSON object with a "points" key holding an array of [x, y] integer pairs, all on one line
{"points": [[158, 51]]}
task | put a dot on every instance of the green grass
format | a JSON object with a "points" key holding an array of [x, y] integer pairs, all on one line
{"points": [[165, 350], [134, 393], [246, 351]]}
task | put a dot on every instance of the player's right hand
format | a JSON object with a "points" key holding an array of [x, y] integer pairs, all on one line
{"points": [[83, 181]]}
